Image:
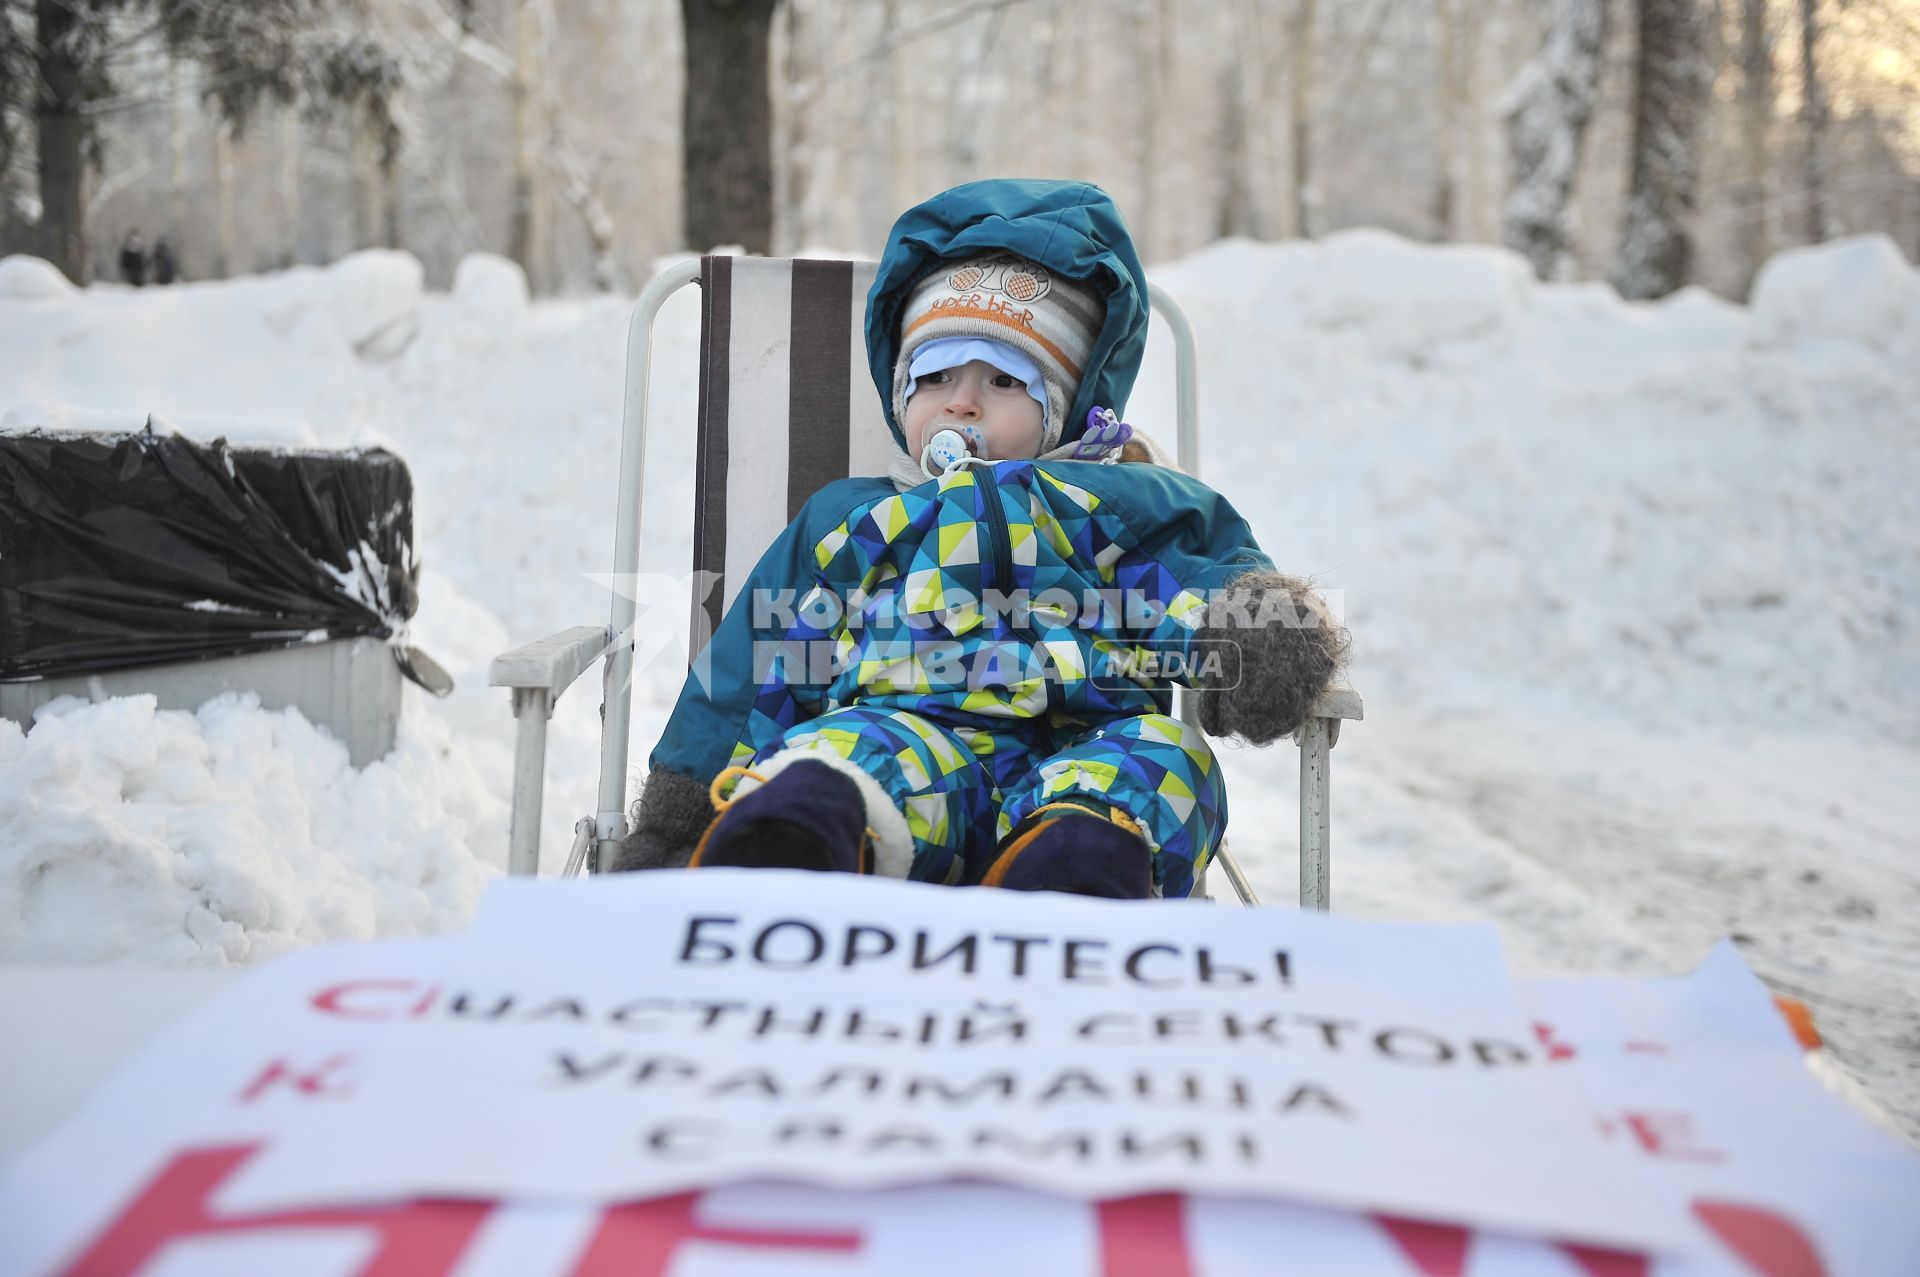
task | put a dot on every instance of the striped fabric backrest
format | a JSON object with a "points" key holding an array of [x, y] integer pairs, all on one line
{"points": [[787, 405]]}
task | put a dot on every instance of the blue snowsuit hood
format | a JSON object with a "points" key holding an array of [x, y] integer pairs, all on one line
{"points": [[1071, 228]]}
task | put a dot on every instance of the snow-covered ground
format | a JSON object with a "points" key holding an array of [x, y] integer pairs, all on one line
{"points": [[1635, 591]]}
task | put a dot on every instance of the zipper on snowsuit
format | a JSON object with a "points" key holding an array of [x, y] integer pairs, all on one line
{"points": [[997, 535]]}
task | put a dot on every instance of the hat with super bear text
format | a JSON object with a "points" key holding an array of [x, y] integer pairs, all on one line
{"points": [[1001, 296]]}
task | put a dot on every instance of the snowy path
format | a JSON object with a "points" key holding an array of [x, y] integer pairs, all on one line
{"points": [[1596, 851]]}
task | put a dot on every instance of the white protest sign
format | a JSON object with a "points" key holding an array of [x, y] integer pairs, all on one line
{"points": [[136, 1185], [1702, 1079], [200, 1098], [1696, 1073], [619, 1038]]}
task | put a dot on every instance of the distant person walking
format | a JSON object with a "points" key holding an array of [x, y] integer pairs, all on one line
{"points": [[133, 259], [165, 269]]}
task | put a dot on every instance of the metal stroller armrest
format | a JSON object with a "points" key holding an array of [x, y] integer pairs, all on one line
{"points": [[550, 664], [538, 672]]}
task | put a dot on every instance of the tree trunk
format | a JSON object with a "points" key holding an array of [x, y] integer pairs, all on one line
{"points": [[1264, 53], [365, 154], [1444, 203], [727, 128], [974, 97], [227, 250], [818, 173], [177, 107], [1070, 85], [1248, 200], [800, 87], [581, 189], [875, 157], [1478, 201], [62, 139], [1305, 198], [1756, 120], [1237, 212], [1152, 33], [1546, 115], [1669, 97], [289, 189], [1146, 142], [393, 202], [1813, 123], [525, 229]]}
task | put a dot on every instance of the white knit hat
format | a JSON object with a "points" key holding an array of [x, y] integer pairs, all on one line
{"points": [[1001, 296]]}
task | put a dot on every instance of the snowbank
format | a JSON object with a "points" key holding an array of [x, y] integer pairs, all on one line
{"points": [[25, 279], [376, 300], [1856, 289], [254, 431], [1404, 299], [226, 836], [489, 287], [1534, 494]]}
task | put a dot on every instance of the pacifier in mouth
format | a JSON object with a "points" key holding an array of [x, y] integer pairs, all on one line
{"points": [[951, 447]]}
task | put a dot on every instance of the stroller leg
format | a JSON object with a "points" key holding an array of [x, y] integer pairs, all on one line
{"points": [[531, 705], [1231, 867], [1315, 741]]}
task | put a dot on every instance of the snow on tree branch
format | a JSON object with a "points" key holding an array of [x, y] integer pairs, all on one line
{"points": [[1546, 113]]}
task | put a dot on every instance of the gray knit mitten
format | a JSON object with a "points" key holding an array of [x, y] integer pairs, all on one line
{"points": [[672, 813], [1279, 666]]}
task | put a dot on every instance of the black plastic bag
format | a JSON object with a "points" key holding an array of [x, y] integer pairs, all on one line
{"points": [[120, 550]]}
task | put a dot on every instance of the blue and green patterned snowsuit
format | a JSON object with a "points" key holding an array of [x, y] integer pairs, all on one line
{"points": [[893, 649], [999, 638]]}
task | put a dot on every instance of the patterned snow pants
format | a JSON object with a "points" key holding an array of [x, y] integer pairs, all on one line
{"points": [[963, 787]]}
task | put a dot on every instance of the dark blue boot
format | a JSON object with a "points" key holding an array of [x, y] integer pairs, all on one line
{"points": [[810, 816], [1075, 848]]}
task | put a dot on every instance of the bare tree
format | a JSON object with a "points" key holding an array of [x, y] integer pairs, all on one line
{"points": [[16, 75], [820, 157], [287, 187], [1756, 125], [1446, 120], [1669, 96], [1456, 35], [526, 221], [1546, 113], [177, 109], [727, 153], [581, 189], [1305, 196], [1813, 123], [541, 141], [973, 83], [795, 159], [1239, 211], [1150, 25], [877, 156], [64, 47], [1391, 121], [364, 157], [226, 219], [287, 49]]}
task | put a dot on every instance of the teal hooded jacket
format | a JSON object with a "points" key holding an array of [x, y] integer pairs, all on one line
{"points": [[849, 605], [1071, 228]]}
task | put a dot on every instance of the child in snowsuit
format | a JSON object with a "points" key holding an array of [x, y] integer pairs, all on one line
{"points": [[958, 673]]}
